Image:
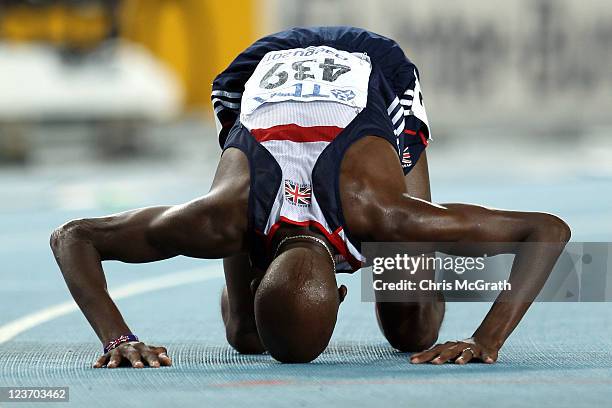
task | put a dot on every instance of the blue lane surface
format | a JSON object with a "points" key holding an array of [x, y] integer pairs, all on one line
{"points": [[560, 356]]}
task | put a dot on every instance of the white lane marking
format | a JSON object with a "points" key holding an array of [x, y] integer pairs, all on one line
{"points": [[29, 321]]}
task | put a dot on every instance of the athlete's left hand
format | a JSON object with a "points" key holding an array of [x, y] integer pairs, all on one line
{"points": [[459, 352]]}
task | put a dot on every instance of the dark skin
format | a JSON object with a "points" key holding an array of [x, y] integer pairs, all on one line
{"points": [[413, 326], [242, 281], [376, 208]]}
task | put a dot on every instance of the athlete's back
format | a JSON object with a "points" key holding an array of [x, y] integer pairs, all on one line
{"points": [[294, 102], [404, 96]]}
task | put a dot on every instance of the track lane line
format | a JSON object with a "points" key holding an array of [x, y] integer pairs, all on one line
{"points": [[12, 329]]}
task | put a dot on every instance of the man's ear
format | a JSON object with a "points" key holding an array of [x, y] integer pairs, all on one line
{"points": [[342, 291]]}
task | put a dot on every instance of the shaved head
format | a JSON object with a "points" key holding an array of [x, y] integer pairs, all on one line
{"points": [[296, 303]]}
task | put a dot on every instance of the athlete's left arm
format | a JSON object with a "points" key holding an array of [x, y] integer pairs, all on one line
{"points": [[536, 240]]}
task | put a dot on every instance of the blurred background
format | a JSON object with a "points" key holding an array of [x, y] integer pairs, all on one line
{"points": [[104, 105]]}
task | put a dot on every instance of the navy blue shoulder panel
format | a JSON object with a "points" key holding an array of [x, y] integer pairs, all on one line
{"points": [[266, 178], [265, 174]]}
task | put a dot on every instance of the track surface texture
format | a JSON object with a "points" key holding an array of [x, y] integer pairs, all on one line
{"points": [[560, 355]]}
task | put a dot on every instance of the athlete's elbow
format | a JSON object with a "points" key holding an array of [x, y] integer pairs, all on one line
{"points": [[68, 233], [553, 228]]}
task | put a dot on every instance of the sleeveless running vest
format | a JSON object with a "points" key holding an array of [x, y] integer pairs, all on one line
{"points": [[294, 111]]}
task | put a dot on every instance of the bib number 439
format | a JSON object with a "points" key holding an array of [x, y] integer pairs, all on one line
{"points": [[327, 71]]}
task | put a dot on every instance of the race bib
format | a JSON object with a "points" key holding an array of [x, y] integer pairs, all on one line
{"points": [[308, 74]]}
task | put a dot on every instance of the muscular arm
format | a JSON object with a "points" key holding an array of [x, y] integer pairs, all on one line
{"points": [[144, 235], [418, 221]]}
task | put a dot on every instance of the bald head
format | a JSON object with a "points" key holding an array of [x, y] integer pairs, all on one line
{"points": [[296, 304]]}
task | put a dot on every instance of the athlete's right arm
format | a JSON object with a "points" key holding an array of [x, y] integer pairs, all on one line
{"points": [[136, 236]]}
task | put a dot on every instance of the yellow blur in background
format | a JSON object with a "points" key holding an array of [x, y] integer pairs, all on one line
{"points": [[195, 38]]}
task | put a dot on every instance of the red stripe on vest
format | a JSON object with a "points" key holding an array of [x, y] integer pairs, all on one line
{"points": [[295, 133]]}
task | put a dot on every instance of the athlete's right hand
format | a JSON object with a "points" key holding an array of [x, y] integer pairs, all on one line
{"points": [[134, 354]]}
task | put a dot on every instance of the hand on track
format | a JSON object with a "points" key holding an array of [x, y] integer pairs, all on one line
{"points": [[134, 354]]}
